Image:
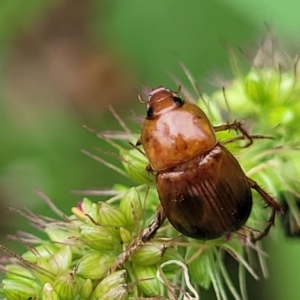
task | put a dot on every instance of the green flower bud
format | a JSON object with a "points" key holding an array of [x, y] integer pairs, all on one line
{"points": [[109, 282], [94, 265], [199, 267], [111, 218], [131, 208], [61, 260], [17, 271], [86, 289], [44, 272], [15, 289], [254, 88], [98, 238], [125, 235], [282, 115], [149, 254], [135, 164], [119, 292], [86, 206], [57, 235], [147, 282], [171, 254], [49, 293], [93, 212], [66, 286], [43, 251]]}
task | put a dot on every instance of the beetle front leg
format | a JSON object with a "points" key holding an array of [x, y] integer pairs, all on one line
{"points": [[237, 125], [270, 201], [144, 236], [138, 142], [241, 137]]}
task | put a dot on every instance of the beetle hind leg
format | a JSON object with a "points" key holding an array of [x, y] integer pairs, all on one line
{"points": [[144, 236], [270, 201]]}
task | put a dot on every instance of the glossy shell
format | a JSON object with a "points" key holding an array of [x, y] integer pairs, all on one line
{"points": [[174, 134], [206, 197], [202, 188]]}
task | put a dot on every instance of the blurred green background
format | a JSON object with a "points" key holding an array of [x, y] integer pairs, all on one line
{"points": [[63, 62]]}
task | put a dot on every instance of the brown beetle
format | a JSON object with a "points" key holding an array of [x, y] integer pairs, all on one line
{"points": [[203, 191]]}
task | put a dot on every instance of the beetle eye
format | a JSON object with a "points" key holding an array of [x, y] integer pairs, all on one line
{"points": [[150, 112], [178, 101]]}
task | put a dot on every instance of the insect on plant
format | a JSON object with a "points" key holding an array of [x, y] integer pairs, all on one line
{"points": [[203, 191]]}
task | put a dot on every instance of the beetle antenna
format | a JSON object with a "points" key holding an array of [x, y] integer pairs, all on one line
{"points": [[178, 90], [141, 100]]}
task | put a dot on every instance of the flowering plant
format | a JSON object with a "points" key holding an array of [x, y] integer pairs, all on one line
{"points": [[77, 261]]}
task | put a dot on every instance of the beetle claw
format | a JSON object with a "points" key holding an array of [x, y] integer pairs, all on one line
{"points": [[270, 202]]}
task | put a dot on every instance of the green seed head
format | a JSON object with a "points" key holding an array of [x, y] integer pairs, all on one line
{"points": [[110, 282], [15, 271], [61, 260], [119, 292], [74, 262], [171, 254], [42, 251], [86, 289], [200, 266], [111, 218], [49, 293], [15, 289], [99, 238], [147, 281], [131, 208], [94, 265], [66, 286], [149, 254], [44, 272]]}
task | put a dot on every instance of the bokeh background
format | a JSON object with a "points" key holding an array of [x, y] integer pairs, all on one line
{"points": [[62, 62]]}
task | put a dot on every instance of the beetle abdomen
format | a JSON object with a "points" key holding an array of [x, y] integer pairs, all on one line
{"points": [[206, 197]]}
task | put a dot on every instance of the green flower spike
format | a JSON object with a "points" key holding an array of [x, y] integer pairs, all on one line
{"points": [[78, 258]]}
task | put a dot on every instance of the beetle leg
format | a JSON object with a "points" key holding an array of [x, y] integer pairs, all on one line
{"points": [[144, 236], [241, 137], [270, 201], [236, 125], [138, 142], [135, 146], [149, 232]]}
